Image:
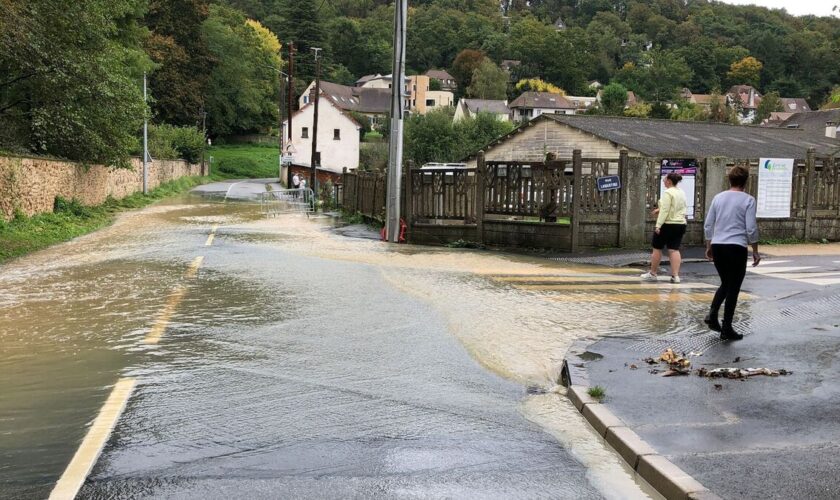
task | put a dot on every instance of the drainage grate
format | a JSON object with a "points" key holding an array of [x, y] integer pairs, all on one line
{"points": [[700, 342]]}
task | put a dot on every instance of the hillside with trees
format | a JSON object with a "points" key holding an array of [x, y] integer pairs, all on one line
{"points": [[72, 71]]}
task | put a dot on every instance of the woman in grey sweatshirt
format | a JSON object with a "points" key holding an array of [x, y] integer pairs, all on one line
{"points": [[730, 228]]}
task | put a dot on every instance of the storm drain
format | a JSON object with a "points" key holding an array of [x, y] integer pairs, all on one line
{"points": [[700, 342]]}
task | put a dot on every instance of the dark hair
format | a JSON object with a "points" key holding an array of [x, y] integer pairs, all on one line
{"points": [[738, 176], [674, 178]]}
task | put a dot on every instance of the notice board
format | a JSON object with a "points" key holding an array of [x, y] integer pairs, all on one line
{"points": [[687, 168], [775, 187]]}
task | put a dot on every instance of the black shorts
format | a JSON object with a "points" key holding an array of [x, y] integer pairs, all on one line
{"points": [[670, 235]]}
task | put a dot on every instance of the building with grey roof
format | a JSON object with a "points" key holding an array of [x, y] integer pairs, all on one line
{"points": [[469, 108], [814, 122], [606, 136]]}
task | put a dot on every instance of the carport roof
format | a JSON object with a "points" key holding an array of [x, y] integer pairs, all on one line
{"points": [[664, 138]]}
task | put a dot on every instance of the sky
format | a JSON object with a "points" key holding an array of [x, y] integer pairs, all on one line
{"points": [[798, 7]]}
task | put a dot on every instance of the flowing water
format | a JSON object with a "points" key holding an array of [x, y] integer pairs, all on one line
{"points": [[303, 362]]}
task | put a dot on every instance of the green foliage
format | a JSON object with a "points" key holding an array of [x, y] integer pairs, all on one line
{"points": [[71, 73], [687, 111], [770, 103], [433, 137], [658, 77], [245, 161], [488, 82], [167, 142], [435, 85], [70, 219], [465, 65], [597, 392], [660, 111], [638, 110], [373, 156], [613, 99], [242, 88]]}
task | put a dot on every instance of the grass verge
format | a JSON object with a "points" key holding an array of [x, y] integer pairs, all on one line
{"points": [[245, 161], [71, 219]]}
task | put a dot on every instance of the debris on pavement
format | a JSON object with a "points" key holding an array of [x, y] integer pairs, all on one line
{"points": [[741, 373], [674, 361]]}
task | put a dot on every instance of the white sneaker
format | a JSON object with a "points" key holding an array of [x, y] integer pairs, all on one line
{"points": [[675, 280], [648, 276]]}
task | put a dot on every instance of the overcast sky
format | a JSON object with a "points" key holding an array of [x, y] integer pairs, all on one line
{"points": [[797, 8]]}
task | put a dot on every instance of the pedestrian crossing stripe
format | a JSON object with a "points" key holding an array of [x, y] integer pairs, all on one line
{"points": [[614, 286], [592, 278], [794, 273], [638, 297]]}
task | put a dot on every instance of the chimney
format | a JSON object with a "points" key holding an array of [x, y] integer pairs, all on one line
{"points": [[830, 130]]}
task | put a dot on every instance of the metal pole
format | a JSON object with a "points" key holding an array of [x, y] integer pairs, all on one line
{"points": [[145, 138], [314, 159], [291, 94], [395, 151], [280, 129]]}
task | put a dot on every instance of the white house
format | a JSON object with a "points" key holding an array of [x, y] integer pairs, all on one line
{"points": [[338, 136], [469, 108], [533, 104]]}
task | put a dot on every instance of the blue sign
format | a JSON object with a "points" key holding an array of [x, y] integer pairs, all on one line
{"points": [[609, 183]]}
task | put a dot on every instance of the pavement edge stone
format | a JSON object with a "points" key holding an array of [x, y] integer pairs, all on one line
{"points": [[668, 479]]}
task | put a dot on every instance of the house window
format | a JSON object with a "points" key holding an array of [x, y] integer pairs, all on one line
{"points": [[336, 134], [304, 133], [306, 99], [430, 103]]}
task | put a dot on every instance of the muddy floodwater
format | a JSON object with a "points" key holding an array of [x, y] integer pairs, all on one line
{"points": [[297, 362]]}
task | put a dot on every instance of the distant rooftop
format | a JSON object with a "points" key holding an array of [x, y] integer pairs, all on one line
{"points": [[544, 100]]}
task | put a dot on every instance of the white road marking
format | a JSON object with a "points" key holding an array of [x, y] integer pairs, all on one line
{"points": [[86, 456], [231, 187], [774, 270]]}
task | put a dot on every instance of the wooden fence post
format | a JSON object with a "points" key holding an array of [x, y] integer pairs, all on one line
{"points": [[408, 200], [577, 194], [478, 198], [810, 165], [342, 201]]}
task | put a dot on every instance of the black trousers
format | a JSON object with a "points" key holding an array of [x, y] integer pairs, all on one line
{"points": [[731, 265]]}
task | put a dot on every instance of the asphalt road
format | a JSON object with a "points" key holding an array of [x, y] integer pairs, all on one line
{"points": [[261, 371]]}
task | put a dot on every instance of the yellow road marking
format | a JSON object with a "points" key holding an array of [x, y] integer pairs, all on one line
{"points": [[161, 322], [194, 265], [213, 228], [616, 286], [210, 238], [88, 453]]}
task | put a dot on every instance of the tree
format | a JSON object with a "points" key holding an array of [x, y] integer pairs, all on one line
{"points": [[537, 85], [488, 82], [770, 103], [747, 71], [242, 94], [178, 85], [638, 110], [71, 74], [613, 99], [464, 66], [300, 23], [686, 111]]}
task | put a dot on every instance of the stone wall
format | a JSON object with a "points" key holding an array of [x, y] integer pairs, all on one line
{"points": [[32, 184], [524, 234]]}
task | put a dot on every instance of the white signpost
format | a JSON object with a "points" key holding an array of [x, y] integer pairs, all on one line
{"points": [[775, 183]]}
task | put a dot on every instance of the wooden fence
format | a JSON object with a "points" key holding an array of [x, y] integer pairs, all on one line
{"points": [[565, 191]]}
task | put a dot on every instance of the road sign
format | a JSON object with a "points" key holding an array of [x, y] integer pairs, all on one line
{"points": [[609, 183], [287, 159]]}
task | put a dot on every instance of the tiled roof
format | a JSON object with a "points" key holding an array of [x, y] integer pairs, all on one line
{"points": [[794, 105], [439, 74], [662, 138], [361, 99], [813, 121], [486, 106], [544, 100]]}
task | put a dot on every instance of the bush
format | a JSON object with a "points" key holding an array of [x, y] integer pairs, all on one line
{"points": [[169, 143], [373, 156], [72, 207]]}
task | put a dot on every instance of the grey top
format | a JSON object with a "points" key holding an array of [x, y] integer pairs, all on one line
{"points": [[731, 219]]}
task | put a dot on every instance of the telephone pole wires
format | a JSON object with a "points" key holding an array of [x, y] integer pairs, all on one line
{"points": [[315, 156]]}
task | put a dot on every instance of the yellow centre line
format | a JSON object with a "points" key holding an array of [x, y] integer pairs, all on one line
{"points": [[161, 322], [86, 456], [192, 270], [212, 235]]}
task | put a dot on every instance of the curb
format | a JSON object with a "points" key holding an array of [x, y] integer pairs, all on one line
{"points": [[666, 478]]}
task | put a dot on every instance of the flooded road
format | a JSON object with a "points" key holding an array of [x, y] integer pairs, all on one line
{"points": [[278, 359]]}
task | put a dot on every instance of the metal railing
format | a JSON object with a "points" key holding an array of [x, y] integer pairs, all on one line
{"points": [[287, 201]]}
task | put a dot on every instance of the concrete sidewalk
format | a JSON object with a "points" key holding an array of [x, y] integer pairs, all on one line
{"points": [[764, 437]]}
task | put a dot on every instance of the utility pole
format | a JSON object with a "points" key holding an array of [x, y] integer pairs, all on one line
{"points": [[290, 96], [145, 138], [280, 123], [203, 139], [315, 157], [395, 150]]}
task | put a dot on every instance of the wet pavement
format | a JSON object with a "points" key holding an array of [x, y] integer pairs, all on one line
{"points": [[765, 437], [293, 361]]}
